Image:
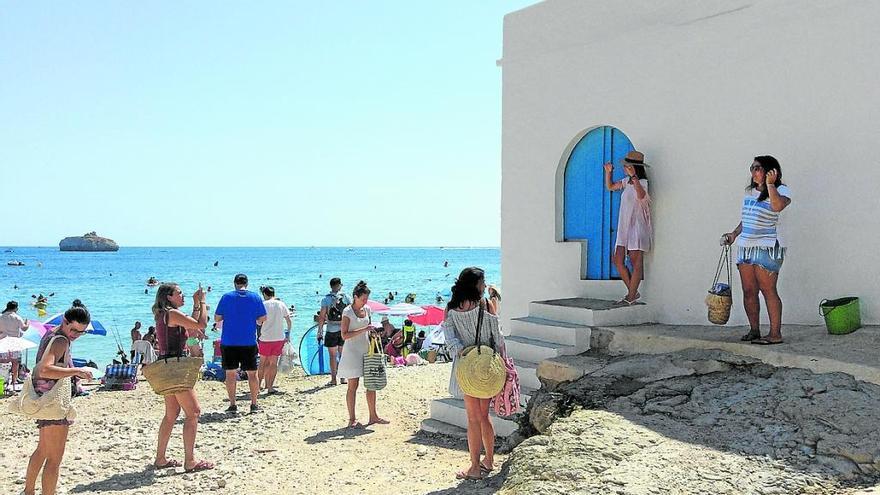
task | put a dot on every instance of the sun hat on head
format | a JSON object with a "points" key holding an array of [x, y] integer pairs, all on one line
{"points": [[635, 158]]}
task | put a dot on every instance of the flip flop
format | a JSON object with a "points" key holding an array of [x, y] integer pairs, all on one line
{"points": [[170, 463], [461, 475], [752, 335], [200, 466], [484, 470], [356, 424], [380, 421], [764, 341]]}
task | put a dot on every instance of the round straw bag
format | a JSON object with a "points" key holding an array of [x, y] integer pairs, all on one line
{"points": [[175, 374], [480, 370], [720, 303]]}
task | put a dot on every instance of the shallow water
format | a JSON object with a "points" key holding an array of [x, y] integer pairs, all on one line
{"points": [[112, 284]]}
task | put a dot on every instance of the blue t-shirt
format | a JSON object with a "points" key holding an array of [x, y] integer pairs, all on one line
{"points": [[240, 310]]}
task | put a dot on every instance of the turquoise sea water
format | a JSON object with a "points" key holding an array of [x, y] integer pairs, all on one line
{"points": [[112, 284]]}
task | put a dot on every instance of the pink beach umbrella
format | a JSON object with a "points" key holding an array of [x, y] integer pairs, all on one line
{"points": [[35, 331], [433, 316], [376, 306]]}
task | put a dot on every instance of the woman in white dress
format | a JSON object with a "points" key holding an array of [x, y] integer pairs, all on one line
{"points": [[460, 330], [356, 331]]}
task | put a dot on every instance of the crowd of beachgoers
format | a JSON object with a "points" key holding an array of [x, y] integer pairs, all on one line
{"points": [[254, 329]]}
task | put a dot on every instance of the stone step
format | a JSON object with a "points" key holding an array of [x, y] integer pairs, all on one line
{"points": [[451, 411], [557, 332], [440, 428], [535, 351], [525, 395], [591, 312], [528, 374]]}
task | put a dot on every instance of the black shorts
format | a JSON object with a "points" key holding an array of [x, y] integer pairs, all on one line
{"points": [[239, 356], [333, 339]]}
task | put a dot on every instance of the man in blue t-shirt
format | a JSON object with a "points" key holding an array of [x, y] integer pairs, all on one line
{"points": [[240, 311]]}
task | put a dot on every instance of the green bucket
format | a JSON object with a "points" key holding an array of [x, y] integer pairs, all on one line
{"points": [[842, 316]]}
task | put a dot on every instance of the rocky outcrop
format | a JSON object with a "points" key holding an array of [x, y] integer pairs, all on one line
{"points": [[699, 421], [88, 242]]}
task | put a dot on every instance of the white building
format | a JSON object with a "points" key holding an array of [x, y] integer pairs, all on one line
{"points": [[701, 87]]}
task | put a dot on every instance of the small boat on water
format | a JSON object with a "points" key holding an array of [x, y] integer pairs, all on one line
{"points": [[15, 263]]}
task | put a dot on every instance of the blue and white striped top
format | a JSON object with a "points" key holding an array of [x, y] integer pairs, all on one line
{"points": [[761, 226]]}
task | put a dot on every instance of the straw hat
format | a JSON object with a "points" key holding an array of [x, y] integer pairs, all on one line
{"points": [[635, 158]]}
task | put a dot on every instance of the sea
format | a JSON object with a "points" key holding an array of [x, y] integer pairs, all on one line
{"points": [[113, 285]]}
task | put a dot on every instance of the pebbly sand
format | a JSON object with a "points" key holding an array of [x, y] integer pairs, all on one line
{"points": [[298, 443]]}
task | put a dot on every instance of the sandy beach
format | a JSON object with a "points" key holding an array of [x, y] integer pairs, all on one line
{"points": [[298, 443]]}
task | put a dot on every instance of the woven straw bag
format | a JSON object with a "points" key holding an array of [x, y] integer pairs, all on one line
{"points": [[175, 374], [481, 371], [720, 304], [375, 377], [56, 403]]}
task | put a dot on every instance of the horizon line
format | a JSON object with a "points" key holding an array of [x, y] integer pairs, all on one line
{"points": [[271, 247]]}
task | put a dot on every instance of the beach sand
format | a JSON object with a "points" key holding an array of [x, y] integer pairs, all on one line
{"points": [[297, 444]]}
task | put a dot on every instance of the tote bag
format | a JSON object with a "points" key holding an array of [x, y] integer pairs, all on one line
{"points": [[56, 403], [374, 367]]}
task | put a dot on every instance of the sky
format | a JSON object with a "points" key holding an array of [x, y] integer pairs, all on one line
{"points": [[288, 123]]}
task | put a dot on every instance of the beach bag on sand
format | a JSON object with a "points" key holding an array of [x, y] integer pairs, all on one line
{"points": [[173, 374], [57, 403], [287, 361], [506, 403], [481, 371], [374, 367], [720, 298]]}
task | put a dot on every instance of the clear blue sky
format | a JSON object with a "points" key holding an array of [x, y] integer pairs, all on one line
{"points": [[252, 123]]}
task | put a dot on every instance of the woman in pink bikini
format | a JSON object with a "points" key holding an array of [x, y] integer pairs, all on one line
{"points": [[634, 230], [54, 363]]}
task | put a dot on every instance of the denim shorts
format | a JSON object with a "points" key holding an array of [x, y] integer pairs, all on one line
{"points": [[767, 258]]}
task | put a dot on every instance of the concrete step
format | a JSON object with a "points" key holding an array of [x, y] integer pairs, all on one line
{"points": [[528, 374], [535, 351], [451, 411], [591, 312], [440, 428], [557, 332]]}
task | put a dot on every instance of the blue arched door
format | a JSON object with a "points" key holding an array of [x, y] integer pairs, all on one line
{"points": [[590, 211]]}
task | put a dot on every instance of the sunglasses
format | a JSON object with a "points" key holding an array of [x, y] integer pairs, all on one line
{"points": [[754, 168], [77, 332]]}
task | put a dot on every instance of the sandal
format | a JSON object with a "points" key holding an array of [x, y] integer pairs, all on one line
{"points": [[379, 421], [752, 335], [355, 424], [462, 475], [485, 470], [766, 341], [170, 463], [200, 466]]}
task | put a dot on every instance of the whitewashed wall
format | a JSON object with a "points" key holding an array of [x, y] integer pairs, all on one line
{"points": [[701, 87]]}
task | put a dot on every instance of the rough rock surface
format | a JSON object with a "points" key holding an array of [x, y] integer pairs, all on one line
{"points": [[700, 421], [88, 242]]}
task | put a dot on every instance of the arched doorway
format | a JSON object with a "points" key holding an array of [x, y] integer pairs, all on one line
{"points": [[589, 210]]}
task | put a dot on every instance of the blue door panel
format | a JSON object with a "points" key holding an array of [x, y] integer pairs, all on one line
{"points": [[590, 211]]}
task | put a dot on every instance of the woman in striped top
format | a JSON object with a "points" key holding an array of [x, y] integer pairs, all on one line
{"points": [[761, 247]]}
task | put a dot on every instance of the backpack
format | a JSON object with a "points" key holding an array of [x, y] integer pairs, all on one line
{"points": [[334, 312]]}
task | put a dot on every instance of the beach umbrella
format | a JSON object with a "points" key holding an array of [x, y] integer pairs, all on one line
{"points": [[15, 344], [376, 306], [95, 327], [35, 331], [401, 309], [433, 316]]}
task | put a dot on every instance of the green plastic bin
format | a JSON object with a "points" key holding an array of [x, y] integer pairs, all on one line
{"points": [[842, 316]]}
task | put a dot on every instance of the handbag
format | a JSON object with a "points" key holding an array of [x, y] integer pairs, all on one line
{"points": [[54, 404], [481, 371], [506, 403], [375, 377], [720, 298], [173, 374]]}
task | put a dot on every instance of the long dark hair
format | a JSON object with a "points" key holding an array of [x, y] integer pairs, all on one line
{"points": [[466, 287], [10, 307], [360, 289], [78, 313], [641, 172], [768, 163]]}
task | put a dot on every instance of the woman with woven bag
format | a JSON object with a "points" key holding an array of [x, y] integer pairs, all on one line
{"points": [[469, 326], [358, 333], [172, 327], [55, 369], [761, 247]]}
